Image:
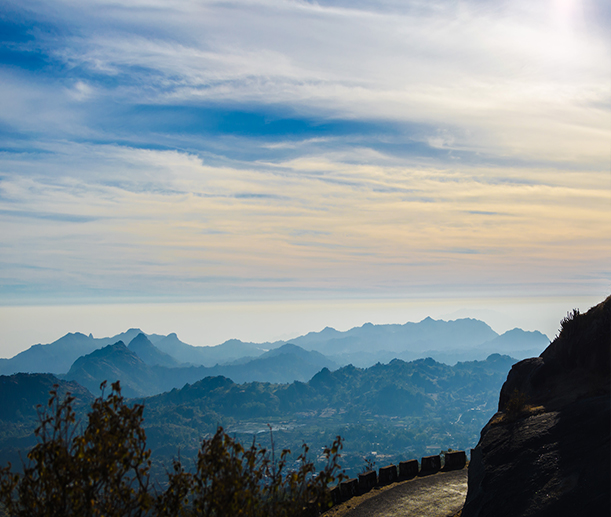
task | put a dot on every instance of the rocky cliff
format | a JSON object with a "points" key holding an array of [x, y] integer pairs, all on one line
{"points": [[546, 451]]}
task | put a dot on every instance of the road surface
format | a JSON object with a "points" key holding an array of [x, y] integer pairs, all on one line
{"points": [[438, 495]]}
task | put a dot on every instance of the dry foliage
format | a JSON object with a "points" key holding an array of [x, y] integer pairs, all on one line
{"points": [[104, 471]]}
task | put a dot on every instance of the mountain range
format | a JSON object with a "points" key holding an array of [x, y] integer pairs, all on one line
{"points": [[155, 373], [444, 341]]}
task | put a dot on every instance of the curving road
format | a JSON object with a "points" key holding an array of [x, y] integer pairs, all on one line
{"points": [[439, 495]]}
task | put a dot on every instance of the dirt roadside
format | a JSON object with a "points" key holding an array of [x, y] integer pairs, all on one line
{"points": [[437, 495]]}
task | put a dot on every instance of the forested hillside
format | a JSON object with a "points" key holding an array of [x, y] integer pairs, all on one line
{"points": [[385, 413]]}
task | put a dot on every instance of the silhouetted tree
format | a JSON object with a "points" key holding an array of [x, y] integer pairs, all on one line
{"points": [[104, 470]]}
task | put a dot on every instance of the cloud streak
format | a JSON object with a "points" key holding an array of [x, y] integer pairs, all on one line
{"points": [[514, 80], [170, 218]]}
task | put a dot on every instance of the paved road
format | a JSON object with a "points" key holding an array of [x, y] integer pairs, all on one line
{"points": [[440, 495]]}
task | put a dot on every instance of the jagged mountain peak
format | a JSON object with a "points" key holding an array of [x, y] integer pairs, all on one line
{"points": [[149, 353], [111, 363]]}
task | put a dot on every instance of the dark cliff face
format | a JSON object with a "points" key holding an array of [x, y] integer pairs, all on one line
{"points": [[546, 452]]}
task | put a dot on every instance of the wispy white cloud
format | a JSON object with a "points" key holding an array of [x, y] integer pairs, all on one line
{"points": [[81, 91], [517, 79]]}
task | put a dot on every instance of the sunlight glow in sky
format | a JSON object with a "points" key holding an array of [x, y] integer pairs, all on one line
{"points": [[209, 151]]}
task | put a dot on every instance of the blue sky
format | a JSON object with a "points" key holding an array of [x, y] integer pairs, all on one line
{"points": [[290, 150]]}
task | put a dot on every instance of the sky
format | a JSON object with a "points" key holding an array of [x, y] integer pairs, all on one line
{"points": [[300, 161]]}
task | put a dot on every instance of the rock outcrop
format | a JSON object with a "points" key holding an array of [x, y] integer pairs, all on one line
{"points": [[546, 452]]}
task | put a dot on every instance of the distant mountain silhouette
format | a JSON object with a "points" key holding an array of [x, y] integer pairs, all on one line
{"points": [[429, 334], [291, 348], [57, 357], [444, 341], [285, 364], [112, 363], [518, 343], [149, 353], [139, 379], [209, 355]]}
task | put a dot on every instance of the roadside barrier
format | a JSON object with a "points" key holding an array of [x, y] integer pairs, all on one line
{"points": [[366, 481], [430, 465], [455, 460], [408, 469], [369, 480], [349, 488]]}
